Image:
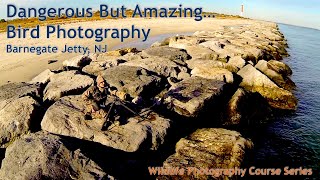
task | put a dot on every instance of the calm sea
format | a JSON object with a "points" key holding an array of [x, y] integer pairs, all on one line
{"points": [[294, 139]]}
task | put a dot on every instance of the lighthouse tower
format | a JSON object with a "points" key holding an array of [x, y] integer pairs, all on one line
{"points": [[242, 10]]}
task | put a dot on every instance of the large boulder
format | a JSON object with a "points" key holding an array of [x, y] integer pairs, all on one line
{"points": [[208, 149], [193, 95], [16, 118], [277, 97], [210, 64], [43, 77], [161, 66], [135, 81], [132, 56], [219, 74], [279, 79], [66, 83], [280, 67], [200, 52], [237, 61], [255, 81], [18, 108], [17, 90], [252, 53], [224, 50], [252, 77], [95, 67], [77, 62], [182, 42], [174, 54], [213, 45], [44, 156], [66, 117], [246, 108]]}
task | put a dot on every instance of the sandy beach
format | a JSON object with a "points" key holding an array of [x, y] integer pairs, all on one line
{"points": [[23, 67]]}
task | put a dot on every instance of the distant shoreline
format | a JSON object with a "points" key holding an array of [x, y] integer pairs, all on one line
{"points": [[299, 26]]}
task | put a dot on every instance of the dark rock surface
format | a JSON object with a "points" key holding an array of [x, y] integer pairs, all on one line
{"points": [[18, 108], [134, 81], [191, 96], [44, 156], [209, 149]]}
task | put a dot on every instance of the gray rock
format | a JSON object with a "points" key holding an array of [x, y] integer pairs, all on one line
{"points": [[271, 35], [246, 108], [252, 53], [209, 149], [132, 56], [250, 62], [200, 52], [284, 82], [177, 55], [172, 81], [252, 77], [254, 81], [191, 96], [18, 110], [66, 117], [43, 77], [277, 97], [95, 67], [66, 83], [224, 51], [218, 74], [213, 45], [208, 34], [280, 68], [207, 64], [77, 62], [183, 75], [182, 42], [18, 90], [44, 156], [161, 66], [135, 81], [16, 118], [237, 61]]}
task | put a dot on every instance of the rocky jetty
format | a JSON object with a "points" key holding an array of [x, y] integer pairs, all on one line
{"points": [[193, 88]]}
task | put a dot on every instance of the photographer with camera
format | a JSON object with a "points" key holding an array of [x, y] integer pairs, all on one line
{"points": [[96, 98]]}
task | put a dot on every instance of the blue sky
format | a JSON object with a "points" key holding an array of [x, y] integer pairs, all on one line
{"points": [[297, 12]]}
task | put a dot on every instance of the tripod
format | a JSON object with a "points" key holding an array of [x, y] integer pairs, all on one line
{"points": [[118, 101]]}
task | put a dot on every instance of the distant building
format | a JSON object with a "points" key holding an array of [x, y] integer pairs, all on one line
{"points": [[242, 10]]}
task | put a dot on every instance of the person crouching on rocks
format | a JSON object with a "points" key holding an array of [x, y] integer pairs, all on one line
{"points": [[95, 98]]}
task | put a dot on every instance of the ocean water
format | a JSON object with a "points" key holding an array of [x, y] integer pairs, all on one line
{"points": [[294, 139]]}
